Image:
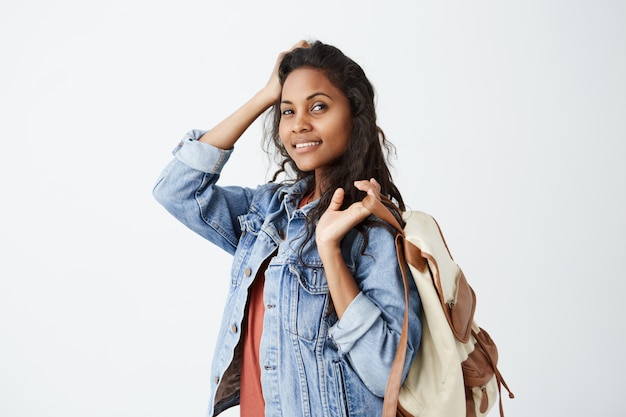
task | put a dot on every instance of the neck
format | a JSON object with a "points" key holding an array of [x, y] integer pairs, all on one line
{"points": [[319, 184]]}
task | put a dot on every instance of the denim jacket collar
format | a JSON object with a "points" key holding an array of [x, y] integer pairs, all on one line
{"points": [[293, 194]]}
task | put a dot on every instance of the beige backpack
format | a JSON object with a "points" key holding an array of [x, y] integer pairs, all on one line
{"points": [[455, 372]]}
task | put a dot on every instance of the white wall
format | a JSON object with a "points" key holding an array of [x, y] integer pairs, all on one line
{"points": [[509, 118]]}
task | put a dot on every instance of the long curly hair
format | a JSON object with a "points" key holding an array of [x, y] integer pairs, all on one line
{"points": [[368, 150]]}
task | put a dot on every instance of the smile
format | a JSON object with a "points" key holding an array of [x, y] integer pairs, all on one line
{"points": [[307, 144]]}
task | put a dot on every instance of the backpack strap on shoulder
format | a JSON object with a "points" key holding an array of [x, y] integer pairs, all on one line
{"points": [[390, 404], [379, 210]]}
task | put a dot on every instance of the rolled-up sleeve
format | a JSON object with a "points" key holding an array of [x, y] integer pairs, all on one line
{"points": [[199, 155], [358, 318], [187, 189]]}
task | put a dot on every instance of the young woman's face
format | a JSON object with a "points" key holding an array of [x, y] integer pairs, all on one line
{"points": [[316, 121]]}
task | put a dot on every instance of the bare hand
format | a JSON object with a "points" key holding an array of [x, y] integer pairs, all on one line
{"points": [[273, 87], [335, 223]]}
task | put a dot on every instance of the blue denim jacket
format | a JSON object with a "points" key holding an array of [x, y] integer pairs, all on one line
{"points": [[312, 363]]}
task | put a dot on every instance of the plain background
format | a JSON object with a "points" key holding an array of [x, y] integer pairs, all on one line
{"points": [[509, 118]]}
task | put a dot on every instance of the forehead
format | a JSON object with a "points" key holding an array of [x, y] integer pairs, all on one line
{"points": [[305, 81]]}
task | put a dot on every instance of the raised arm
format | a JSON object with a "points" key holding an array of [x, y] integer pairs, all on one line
{"points": [[370, 304], [226, 133], [331, 229], [187, 186]]}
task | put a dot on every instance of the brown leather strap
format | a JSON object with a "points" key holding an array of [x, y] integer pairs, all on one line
{"points": [[390, 404], [414, 256], [494, 364], [379, 210]]}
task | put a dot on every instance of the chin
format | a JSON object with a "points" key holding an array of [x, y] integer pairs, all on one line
{"points": [[306, 170], [306, 167]]}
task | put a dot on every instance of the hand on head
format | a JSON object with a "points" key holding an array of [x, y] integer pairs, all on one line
{"points": [[273, 85]]}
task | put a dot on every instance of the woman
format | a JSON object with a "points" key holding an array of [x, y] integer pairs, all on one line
{"points": [[314, 314]]}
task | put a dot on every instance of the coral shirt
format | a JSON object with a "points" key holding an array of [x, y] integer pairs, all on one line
{"points": [[251, 402]]}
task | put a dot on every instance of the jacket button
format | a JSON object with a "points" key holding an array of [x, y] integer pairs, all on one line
{"points": [[233, 328], [248, 272], [216, 380]]}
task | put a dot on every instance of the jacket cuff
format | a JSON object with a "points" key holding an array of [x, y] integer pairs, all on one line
{"points": [[360, 315], [199, 155]]}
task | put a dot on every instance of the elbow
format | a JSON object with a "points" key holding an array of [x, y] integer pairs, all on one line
{"points": [[157, 192], [378, 387], [161, 193], [171, 186]]}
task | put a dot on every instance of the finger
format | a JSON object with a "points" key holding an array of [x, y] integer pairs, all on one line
{"points": [[303, 44], [300, 44], [337, 200], [371, 187], [363, 185], [358, 212], [375, 187]]}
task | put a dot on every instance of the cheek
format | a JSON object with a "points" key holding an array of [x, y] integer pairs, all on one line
{"points": [[346, 128], [282, 132]]}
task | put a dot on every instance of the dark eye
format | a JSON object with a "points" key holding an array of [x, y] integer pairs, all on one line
{"points": [[286, 112], [318, 107]]}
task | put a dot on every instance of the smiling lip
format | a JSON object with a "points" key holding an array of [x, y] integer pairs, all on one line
{"points": [[308, 144]]}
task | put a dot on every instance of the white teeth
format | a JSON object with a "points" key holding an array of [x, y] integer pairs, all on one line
{"points": [[306, 144]]}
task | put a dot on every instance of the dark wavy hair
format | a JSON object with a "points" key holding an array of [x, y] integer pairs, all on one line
{"points": [[368, 149]]}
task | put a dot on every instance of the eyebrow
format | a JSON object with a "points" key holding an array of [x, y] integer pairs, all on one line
{"points": [[319, 93]]}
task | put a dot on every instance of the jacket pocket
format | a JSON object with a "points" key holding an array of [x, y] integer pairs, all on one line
{"points": [[250, 223], [341, 401], [308, 303]]}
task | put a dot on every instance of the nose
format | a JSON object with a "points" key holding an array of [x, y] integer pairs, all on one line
{"points": [[301, 123]]}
